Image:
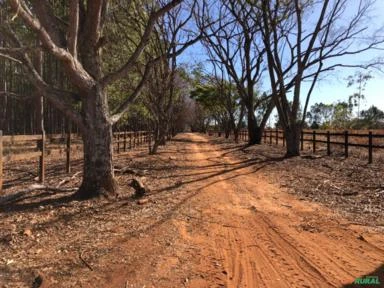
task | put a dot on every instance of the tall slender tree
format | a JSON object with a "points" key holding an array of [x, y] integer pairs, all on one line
{"points": [[234, 41]]}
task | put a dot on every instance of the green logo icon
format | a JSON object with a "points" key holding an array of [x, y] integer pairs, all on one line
{"points": [[367, 280]]}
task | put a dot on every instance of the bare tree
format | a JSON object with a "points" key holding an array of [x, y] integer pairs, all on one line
{"points": [[228, 96], [171, 37], [78, 44], [234, 40], [305, 38]]}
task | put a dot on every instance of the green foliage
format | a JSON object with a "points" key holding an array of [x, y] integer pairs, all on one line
{"points": [[372, 118], [339, 116], [218, 97], [359, 80], [373, 114], [320, 114], [122, 32], [342, 114], [208, 96]]}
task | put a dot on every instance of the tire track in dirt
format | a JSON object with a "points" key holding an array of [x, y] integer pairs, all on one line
{"points": [[238, 230], [255, 236]]}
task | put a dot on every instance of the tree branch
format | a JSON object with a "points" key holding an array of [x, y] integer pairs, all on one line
{"points": [[119, 112], [79, 76], [73, 30], [130, 64]]}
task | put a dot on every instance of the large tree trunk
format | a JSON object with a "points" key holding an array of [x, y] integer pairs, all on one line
{"points": [[98, 178], [254, 131], [157, 139], [292, 137]]}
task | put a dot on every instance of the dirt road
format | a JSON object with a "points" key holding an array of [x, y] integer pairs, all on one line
{"points": [[239, 230]]}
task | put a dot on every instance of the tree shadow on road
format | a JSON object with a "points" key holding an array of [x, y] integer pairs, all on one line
{"points": [[43, 201], [233, 167]]}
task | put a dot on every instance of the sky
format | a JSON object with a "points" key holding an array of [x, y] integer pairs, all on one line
{"points": [[334, 87]]}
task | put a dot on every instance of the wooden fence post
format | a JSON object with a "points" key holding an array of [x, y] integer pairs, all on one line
{"points": [[68, 152], [370, 147], [125, 140], [270, 137], [149, 141], [1, 161], [41, 147], [118, 142], [346, 143], [314, 141], [328, 143], [282, 132], [265, 136], [277, 136], [302, 140], [137, 138]]}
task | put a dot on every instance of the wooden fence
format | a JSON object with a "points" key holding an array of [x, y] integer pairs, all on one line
{"points": [[368, 140], [26, 147]]}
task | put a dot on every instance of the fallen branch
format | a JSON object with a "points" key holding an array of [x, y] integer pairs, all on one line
{"points": [[336, 187], [351, 193], [66, 180], [85, 262]]}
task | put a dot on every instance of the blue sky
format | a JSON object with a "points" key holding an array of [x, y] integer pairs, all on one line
{"points": [[334, 87]]}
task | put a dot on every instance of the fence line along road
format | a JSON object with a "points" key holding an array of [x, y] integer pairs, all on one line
{"points": [[26, 147], [340, 138]]}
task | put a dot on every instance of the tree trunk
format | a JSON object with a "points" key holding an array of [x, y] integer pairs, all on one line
{"points": [[155, 147], [254, 131], [227, 131], [98, 178], [162, 134], [156, 139], [292, 137], [236, 134]]}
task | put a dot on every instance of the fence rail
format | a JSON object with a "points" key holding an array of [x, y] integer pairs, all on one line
{"points": [[345, 139], [27, 147]]}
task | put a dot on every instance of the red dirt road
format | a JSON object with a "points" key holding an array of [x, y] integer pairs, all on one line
{"points": [[239, 230]]}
